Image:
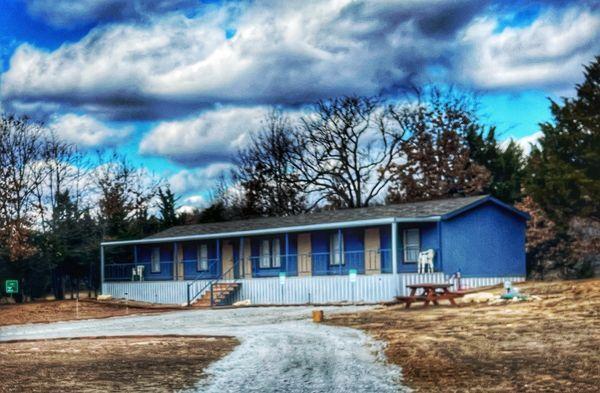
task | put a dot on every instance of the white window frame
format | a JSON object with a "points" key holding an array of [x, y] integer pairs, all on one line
{"points": [[335, 243], [202, 257], [155, 260], [407, 247], [265, 254], [276, 251]]}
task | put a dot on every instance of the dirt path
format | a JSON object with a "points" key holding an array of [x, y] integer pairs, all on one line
{"points": [[552, 345], [280, 348], [109, 365]]}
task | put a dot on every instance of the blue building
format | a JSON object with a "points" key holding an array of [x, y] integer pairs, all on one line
{"points": [[353, 255]]}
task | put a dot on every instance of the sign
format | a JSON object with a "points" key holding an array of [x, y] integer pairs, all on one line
{"points": [[352, 275], [282, 278], [12, 286]]}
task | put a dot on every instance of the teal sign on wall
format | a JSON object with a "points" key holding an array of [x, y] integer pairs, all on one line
{"points": [[11, 286], [352, 273]]}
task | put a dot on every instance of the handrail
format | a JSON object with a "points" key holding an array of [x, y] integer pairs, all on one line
{"points": [[210, 284], [199, 276]]}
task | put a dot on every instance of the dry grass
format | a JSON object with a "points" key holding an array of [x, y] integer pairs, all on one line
{"points": [[552, 345], [64, 310], [122, 364]]}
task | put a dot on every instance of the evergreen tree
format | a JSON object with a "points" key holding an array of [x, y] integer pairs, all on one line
{"points": [[70, 243], [505, 164], [564, 171], [167, 206]]}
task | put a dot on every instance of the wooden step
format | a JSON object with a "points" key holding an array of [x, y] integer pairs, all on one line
{"points": [[220, 294]]}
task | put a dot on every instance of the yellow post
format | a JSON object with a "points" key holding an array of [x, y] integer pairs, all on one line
{"points": [[317, 316]]}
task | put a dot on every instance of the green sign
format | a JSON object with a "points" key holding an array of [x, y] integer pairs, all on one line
{"points": [[12, 286]]}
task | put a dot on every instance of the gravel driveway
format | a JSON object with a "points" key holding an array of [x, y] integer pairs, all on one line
{"points": [[281, 350]]}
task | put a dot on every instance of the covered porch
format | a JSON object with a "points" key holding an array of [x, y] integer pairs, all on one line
{"points": [[361, 250]]}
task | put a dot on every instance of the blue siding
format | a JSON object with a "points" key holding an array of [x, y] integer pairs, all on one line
{"points": [[292, 260], [144, 257], [288, 265], [385, 244], [190, 260], [428, 239], [354, 245], [487, 241]]}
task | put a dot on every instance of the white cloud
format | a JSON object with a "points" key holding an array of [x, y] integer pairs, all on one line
{"points": [[548, 53], [198, 180], [283, 53], [211, 136], [192, 203], [87, 132], [525, 142]]}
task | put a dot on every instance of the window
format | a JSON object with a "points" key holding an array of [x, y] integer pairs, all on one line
{"points": [[276, 253], [411, 245], [202, 258], [270, 253], [265, 254], [155, 260], [337, 249]]}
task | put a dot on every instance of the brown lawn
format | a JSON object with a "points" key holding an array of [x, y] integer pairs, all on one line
{"points": [[551, 345], [121, 364], [64, 310]]}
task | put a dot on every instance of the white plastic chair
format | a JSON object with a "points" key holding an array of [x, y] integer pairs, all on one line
{"points": [[425, 261]]}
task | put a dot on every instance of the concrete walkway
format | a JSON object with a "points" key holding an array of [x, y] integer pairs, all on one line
{"points": [[281, 350]]}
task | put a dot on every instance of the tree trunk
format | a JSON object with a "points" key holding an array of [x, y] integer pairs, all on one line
{"points": [[77, 286], [71, 287], [62, 286]]}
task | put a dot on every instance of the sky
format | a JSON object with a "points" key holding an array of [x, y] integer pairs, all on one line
{"points": [[178, 85]]}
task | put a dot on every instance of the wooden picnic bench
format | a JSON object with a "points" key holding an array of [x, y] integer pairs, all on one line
{"points": [[431, 293]]}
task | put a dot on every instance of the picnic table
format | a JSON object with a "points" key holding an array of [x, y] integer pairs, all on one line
{"points": [[431, 293]]}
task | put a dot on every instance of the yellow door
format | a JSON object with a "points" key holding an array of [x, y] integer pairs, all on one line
{"points": [[227, 259]]}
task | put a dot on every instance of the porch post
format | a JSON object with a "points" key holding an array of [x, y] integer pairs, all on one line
{"points": [[135, 254], [219, 261], [287, 251], [340, 249], [175, 262], [242, 258], [101, 268], [395, 253], [439, 252]]}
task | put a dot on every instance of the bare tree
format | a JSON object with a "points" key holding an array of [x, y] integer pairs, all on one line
{"points": [[126, 195], [66, 170], [436, 161], [265, 173], [21, 174], [344, 150]]}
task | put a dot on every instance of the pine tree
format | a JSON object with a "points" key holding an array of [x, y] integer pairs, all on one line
{"points": [[564, 171], [167, 206], [70, 243], [505, 164]]}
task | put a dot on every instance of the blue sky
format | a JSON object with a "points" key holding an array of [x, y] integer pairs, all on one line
{"points": [[178, 85]]}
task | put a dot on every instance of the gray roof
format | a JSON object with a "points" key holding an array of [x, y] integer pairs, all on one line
{"points": [[417, 211]]}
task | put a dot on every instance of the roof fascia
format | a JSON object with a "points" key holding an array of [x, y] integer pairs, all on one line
{"points": [[481, 201], [258, 232]]}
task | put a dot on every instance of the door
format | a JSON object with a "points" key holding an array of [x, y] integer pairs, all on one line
{"points": [[227, 259]]}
